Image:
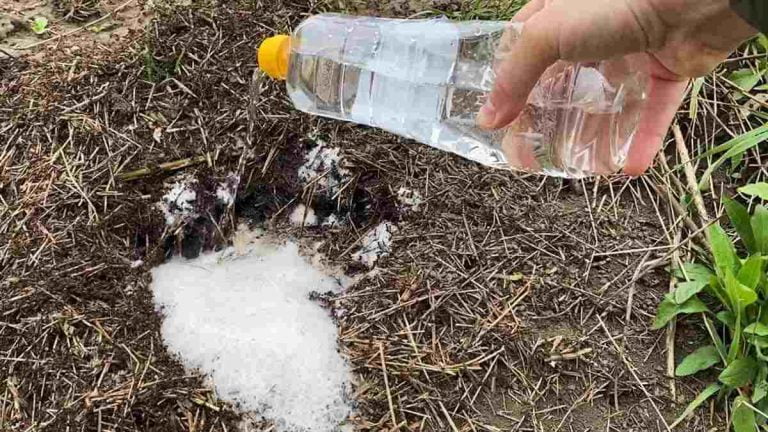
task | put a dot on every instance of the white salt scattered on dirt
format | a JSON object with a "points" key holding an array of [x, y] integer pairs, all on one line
{"points": [[178, 203], [324, 162], [332, 221], [409, 198], [226, 190], [303, 216], [224, 194], [247, 320], [376, 244]]}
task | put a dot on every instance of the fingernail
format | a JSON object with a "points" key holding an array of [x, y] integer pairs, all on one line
{"points": [[486, 118]]}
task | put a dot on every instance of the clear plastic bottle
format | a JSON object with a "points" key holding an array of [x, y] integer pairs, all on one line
{"points": [[427, 79]]}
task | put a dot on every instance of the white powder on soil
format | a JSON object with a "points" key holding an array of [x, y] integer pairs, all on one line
{"points": [[244, 316], [226, 190], [332, 221], [178, 203], [303, 216], [410, 199], [376, 244], [224, 194], [324, 162]]}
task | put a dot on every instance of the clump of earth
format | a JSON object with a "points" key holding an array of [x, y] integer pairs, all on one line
{"points": [[8, 26]]}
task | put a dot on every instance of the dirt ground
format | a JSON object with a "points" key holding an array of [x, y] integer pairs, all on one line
{"points": [[72, 26], [509, 302]]}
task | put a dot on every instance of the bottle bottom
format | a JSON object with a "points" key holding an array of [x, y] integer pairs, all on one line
{"points": [[571, 141]]}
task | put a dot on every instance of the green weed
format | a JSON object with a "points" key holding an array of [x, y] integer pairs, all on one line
{"points": [[39, 25], [734, 148], [738, 324], [156, 70], [498, 10]]}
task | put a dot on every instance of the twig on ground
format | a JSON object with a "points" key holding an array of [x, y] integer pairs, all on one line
{"points": [[386, 386], [690, 175], [632, 285], [670, 339], [168, 166]]}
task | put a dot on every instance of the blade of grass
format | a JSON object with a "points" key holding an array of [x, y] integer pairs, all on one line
{"points": [[759, 131], [733, 147], [700, 399], [695, 90], [715, 338]]}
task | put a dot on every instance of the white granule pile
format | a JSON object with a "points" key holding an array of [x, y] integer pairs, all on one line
{"points": [[244, 317], [377, 243], [178, 203], [410, 199], [324, 162], [303, 216]]}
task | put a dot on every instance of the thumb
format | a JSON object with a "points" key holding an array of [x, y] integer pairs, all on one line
{"points": [[518, 68], [574, 31]]}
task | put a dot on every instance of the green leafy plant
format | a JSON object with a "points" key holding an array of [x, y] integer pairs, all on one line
{"points": [[39, 25], [738, 322], [157, 70], [746, 79], [759, 190]]}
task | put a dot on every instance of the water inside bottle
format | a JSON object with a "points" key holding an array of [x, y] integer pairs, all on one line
{"points": [[427, 79]]}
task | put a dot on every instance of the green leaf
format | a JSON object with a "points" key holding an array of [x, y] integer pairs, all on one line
{"points": [[739, 294], [722, 249], [715, 337], [736, 336], [736, 160], [739, 216], [668, 309], [39, 25], [762, 41], [759, 190], [727, 318], [758, 341], [760, 228], [734, 146], [699, 360], [739, 373], [686, 290], [751, 272], [743, 416], [717, 289], [761, 386], [707, 393], [745, 79], [762, 407], [693, 272], [757, 328], [664, 314], [698, 83], [693, 305]]}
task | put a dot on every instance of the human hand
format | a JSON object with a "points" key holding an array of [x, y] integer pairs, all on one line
{"points": [[681, 38]]}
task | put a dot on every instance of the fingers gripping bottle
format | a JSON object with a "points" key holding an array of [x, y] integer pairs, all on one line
{"points": [[427, 80]]}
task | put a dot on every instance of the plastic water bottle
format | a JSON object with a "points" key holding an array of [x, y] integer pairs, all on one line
{"points": [[427, 80]]}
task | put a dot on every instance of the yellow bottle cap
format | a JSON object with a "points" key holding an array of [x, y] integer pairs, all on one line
{"points": [[274, 54]]}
